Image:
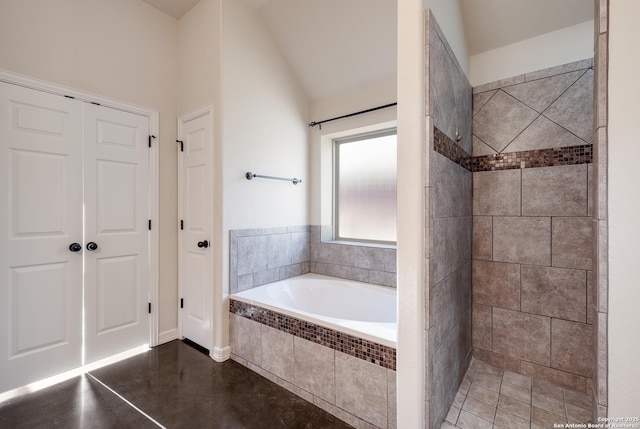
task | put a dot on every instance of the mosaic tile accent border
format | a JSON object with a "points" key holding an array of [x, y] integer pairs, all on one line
{"points": [[572, 155], [348, 344], [448, 148]]}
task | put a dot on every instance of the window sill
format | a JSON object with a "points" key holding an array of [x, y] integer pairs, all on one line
{"points": [[362, 244]]}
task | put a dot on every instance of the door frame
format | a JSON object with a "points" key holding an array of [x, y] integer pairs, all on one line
{"points": [[154, 200], [203, 111]]}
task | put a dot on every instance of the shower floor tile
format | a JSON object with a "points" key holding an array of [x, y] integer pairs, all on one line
{"points": [[490, 397]]}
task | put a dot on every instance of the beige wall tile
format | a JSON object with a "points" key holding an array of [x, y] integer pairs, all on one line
{"points": [[564, 379], [556, 292], [525, 240], [496, 193], [481, 326], [314, 368], [482, 247], [497, 359], [555, 191], [520, 335], [245, 338], [496, 284], [572, 241], [391, 400], [277, 352], [361, 389]]}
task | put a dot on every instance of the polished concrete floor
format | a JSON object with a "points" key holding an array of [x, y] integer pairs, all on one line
{"points": [[172, 386]]}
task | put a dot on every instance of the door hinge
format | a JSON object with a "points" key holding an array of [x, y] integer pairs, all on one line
{"points": [[151, 137], [181, 224], [149, 308], [181, 302], [149, 224], [181, 145]]}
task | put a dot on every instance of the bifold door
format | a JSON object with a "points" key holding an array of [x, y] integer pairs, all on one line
{"points": [[74, 191]]}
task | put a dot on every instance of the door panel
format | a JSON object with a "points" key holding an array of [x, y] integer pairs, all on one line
{"points": [[196, 263], [116, 219], [40, 216]]}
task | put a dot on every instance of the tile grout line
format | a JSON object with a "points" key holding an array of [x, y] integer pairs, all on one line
{"points": [[126, 401]]}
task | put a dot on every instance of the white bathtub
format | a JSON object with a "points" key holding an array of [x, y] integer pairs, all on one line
{"points": [[360, 309]]}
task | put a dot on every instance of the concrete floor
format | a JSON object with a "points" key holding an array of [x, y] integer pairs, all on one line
{"points": [[172, 386]]}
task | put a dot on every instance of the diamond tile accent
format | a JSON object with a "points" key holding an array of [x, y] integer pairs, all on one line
{"points": [[574, 109], [539, 94], [501, 120]]}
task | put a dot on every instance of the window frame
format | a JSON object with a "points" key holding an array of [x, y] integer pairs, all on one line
{"points": [[335, 143]]}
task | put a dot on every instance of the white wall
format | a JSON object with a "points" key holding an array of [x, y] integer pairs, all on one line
{"points": [[448, 13], [264, 128], [321, 158], [199, 74], [624, 209], [548, 50], [411, 361], [119, 49]]}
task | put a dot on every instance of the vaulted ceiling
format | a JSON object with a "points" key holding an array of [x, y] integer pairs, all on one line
{"points": [[334, 46]]}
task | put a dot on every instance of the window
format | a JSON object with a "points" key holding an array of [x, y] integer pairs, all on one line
{"points": [[365, 172]]}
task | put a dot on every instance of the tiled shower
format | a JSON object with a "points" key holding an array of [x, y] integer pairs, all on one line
{"points": [[511, 171]]}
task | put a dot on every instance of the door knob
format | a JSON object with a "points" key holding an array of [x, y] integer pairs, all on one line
{"points": [[204, 244], [75, 247], [92, 246]]}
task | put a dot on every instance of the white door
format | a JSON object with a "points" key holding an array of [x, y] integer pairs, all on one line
{"points": [[40, 217], [195, 258], [116, 197]]}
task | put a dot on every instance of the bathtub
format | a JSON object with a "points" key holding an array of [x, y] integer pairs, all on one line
{"points": [[361, 309]]}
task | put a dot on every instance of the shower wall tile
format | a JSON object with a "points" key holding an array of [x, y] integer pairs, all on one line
{"points": [[481, 326], [572, 239], [554, 292], [571, 347], [482, 238], [555, 191], [451, 244], [449, 223], [522, 336], [449, 301], [574, 109], [523, 240], [496, 284], [533, 202], [542, 134], [501, 120], [447, 176], [564, 68], [497, 193], [540, 93]]}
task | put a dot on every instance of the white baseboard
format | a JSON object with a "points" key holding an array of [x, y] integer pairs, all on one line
{"points": [[166, 336], [221, 354]]}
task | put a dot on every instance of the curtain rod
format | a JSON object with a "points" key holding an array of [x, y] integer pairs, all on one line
{"points": [[319, 123]]}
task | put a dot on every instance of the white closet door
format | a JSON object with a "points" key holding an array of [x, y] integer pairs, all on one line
{"points": [[116, 157], [40, 217], [196, 262]]}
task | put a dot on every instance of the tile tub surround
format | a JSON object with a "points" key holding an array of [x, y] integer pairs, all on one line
{"points": [[532, 238], [494, 398], [448, 214], [350, 378], [261, 256]]}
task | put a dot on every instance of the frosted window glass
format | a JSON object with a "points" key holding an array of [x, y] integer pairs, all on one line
{"points": [[367, 173]]}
